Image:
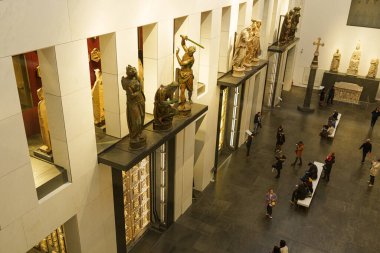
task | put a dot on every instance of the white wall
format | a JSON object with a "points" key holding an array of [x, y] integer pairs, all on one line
{"points": [[335, 34], [58, 30]]}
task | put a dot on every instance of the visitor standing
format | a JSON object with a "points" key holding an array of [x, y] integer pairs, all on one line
{"points": [[331, 95], [299, 151], [375, 115], [329, 161], [257, 122], [280, 138], [248, 142], [373, 172], [283, 247], [366, 148], [271, 199], [276, 249], [278, 165], [322, 96]]}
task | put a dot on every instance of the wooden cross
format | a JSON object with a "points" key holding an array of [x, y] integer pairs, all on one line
{"points": [[318, 43]]}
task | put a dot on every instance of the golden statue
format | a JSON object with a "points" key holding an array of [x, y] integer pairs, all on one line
{"points": [[240, 53], [372, 72], [335, 61], [354, 62], [98, 99], [42, 119], [253, 45]]}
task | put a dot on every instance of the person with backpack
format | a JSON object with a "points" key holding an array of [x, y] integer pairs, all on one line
{"points": [[299, 151], [278, 165], [329, 161], [300, 192]]}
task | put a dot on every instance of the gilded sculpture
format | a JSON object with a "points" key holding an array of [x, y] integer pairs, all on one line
{"points": [[253, 45], [185, 76], [372, 72], [42, 119], [163, 111], [289, 25], [295, 20], [334, 67], [135, 108], [98, 99], [354, 61], [240, 53], [285, 29]]}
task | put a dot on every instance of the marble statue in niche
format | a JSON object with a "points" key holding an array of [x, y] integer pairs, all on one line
{"points": [[295, 20], [98, 99], [185, 76], [135, 108], [334, 67], [353, 67], [372, 72], [240, 53], [163, 111], [253, 45], [44, 126], [285, 28]]}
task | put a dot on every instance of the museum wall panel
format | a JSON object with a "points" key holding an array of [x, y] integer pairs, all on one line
{"points": [[336, 35], [60, 33]]}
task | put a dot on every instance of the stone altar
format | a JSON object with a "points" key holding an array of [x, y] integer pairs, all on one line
{"points": [[347, 92], [370, 85]]}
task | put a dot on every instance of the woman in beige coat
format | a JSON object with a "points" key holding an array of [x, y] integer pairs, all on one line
{"points": [[373, 172]]}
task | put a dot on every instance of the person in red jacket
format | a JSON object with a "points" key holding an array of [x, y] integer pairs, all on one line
{"points": [[299, 151]]}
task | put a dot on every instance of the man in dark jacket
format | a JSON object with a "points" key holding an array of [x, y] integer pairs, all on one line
{"points": [[278, 164], [375, 115], [248, 143], [330, 160], [366, 148], [331, 95], [257, 122]]}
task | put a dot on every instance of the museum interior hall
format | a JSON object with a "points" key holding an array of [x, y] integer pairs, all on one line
{"points": [[218, 126]]}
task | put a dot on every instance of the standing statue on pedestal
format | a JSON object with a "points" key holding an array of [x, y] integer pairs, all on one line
{"points": [[295, 21], [253, 45], [354, 62], [163, 111], [42, 119], [285, 28], [185, 76], [240, 53], [135, 108], [372, 72], [98, 99], [335, 61]]}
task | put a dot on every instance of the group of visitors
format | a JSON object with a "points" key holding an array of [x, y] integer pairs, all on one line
{"points": [[330, 96], [328, 129], [283, 248]]}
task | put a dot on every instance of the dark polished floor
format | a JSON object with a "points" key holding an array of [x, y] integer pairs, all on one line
{"points": [[230, 214]]}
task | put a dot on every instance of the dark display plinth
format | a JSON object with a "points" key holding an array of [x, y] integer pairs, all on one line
{"points": [[44, 156], [230, 81], [120, 156], [370, 85], [276, 47]]}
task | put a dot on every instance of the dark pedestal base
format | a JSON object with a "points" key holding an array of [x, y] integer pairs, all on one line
{"points": [[137, 144], [44, 156], [305, 109], [166, 126]]}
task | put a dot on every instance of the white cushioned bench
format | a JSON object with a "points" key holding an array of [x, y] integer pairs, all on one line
{"points": [[306, 202], [336, 126]]}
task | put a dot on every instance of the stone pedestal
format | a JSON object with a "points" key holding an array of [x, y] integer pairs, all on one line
{"points": [[309, 91]]}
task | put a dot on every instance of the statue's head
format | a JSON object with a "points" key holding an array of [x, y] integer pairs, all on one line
{"points": [[40, 94], [191, 50], [358, 46], [131, 71]]}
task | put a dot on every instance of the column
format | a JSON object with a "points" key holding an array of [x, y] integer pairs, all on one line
{"points": [[158, 58], [118, 51], [66, 82]]}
